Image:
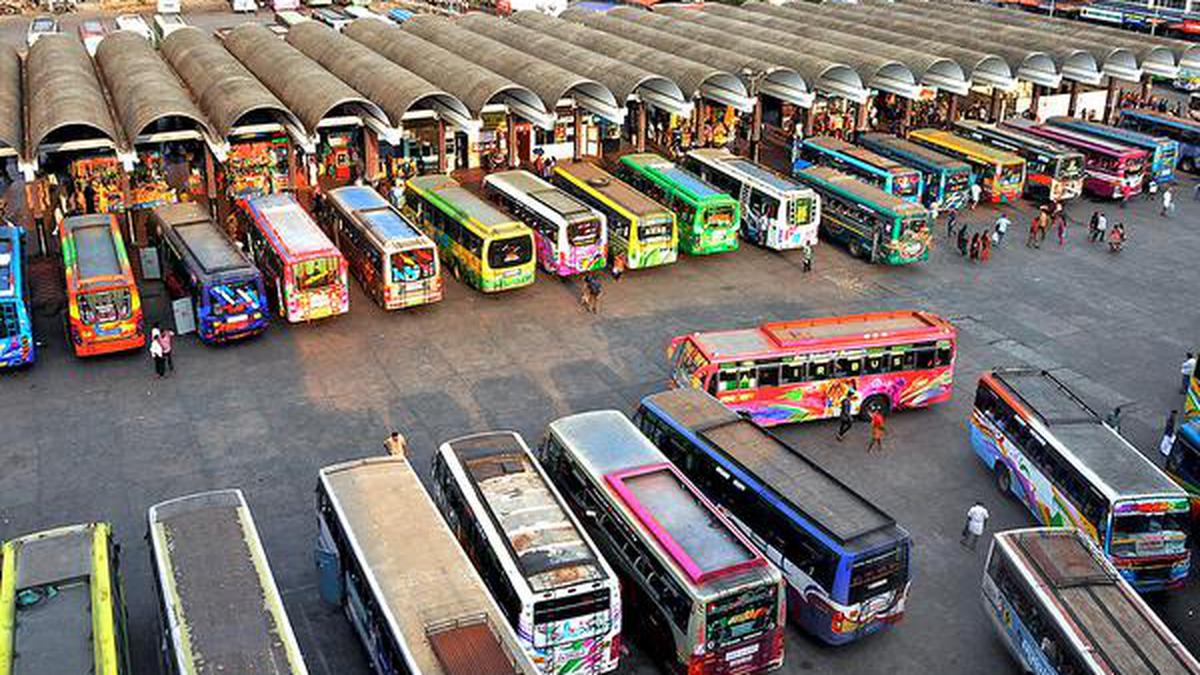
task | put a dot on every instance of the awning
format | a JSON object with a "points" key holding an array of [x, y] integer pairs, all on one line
{"points": [[12, 104], [66, 102]]}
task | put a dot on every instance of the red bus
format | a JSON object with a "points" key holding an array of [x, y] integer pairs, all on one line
{"points": [[1111, 170], [104, 310], [796, 371]]}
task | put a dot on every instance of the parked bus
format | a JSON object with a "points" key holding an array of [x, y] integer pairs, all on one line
{"points": [[1047, 447], [386, 557], [487, 249], [17, 347], [886, 174], [1183, 464], [1061, 608], [708, 218], [1184, 130], [798, 371], [1000, 174], [62, 606], [200, 262], [219, 608], [104, 310], [947, 180], [845, 561], [1053, 172], [641, 232], [1111, 170], [304, 270], [395, 262], [874, 225], [571, 237], [557, 591], [705, 599], [1163, 152]]}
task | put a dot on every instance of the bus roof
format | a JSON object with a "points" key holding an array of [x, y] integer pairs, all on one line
{"points": [[376, 214], [10, 259], [218, 587], [432, 595], [209, 247], [1116, 627], [96, 254], [519, 181], [966, 145], [748, 169], [857, 152], [1072, 137], [289, 225], [1164, 118], [1017, 136], [802, 485], [465, 204], [686, 181], [917, 152], [619, 192], [847, 185]]}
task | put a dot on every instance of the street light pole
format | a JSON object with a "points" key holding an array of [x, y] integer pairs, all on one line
{"points": [[1154, 21]]}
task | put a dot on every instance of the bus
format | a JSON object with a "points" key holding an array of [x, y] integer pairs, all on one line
{"points": [[947, 180], [306, 272], [1061, 608], [1053, 172], [708, 218], [1000, 174], [798, 371], [705, 600], [1184, 130], [641, 232], [17, 347], [1183, 464], [1044, 445], [845, 561], [104, 309], [219, 608], [1163, 152], [386, 557], [484, 247], [200, 262], [1111, 170], [555, 588], [395, 262], [571, 237], [62, 605], [777, 212], [873, 224], [886, 174]]}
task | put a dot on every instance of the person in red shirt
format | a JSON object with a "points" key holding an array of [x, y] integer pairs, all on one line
{"points": [[877, 431]]}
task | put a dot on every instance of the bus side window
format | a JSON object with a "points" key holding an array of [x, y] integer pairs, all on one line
{"points": [[820, 370], [473, 242], [727, 380], [768, 375], [875, 363], [925, 355], [896, 361], [848, 367], [792, 373], [945, 352]]}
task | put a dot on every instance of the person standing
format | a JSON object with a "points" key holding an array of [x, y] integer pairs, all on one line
{"points": [[1002, 224], [594, 291], [1168, 202], [951, 220], [1168, 437], [1101, 227], [1031, 240], [985, 247], [976, 195], [808, 258], [396, 445], [156, 352], [845, 417], [1060, 228], [1093, 224], [166, 339], [975, 247], [1185, 370], [962, 240], [977, 517], [878, 431]]}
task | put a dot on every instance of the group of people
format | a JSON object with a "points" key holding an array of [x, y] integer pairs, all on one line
{"points": [[1098, 231], [161, 350], [846, 422], [1048, 215], [589, 295], [976, 246]]}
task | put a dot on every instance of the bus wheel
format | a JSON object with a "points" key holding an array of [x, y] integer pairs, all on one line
{"points": [[457, 271], [1187, 164], [856, 249], [876, 402], [1003, 480]]}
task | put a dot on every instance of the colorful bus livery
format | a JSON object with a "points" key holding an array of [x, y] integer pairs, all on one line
{"points": [[306, 270], [104, 309], [1112, 170], [1000, 174], [1164, 152], [884, 173], [571, 237], [1183, 464], [1053, 172], [17, 346], [1183, 130], [709, 220], [947, 180]]}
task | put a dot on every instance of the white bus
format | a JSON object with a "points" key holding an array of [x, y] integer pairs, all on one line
{"points": [[555, 588], [571, 237], [704, 599], [1061, 608], [219, 608], [777, 212], [385, 556]]}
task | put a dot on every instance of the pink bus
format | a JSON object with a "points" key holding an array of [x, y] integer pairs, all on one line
{"points": [[796, 371], [1111, 170]]}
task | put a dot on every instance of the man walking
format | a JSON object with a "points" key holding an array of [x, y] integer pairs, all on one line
{"points": [[845, 417], [396, 445], [977, 517], [877, 432], [1168, 438], [808, 258], [1101, 227], [951, 220], [976, 195], [1185, 371], [1168, 202], [165, 339], [1002, 224]]}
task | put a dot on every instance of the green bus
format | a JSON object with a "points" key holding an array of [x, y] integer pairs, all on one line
{"points": [[873, 224], [708, 218]]}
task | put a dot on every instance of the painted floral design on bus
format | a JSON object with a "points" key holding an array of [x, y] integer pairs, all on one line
{"points": [[911, 246], [649, 255], [820, 400], [578, 645], [572, 260]]}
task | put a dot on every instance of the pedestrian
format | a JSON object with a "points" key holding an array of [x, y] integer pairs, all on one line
{"points": [[1116, 238], [1168, 202], [1002, 224], [1043, 225], [845, 417], [977, 517], [951, 220], [807, 260], [1031, 240], [1168, 436], [976, 195], [975, 247], [585, 294], [1061, 229], [1113, 419], [1092, 225], [1186, 370], [156, 351], [877, 431], [985, 247], [962, 240], [165, 339], [592, 281], [396, 445], [618, 267], [89, 198], [1101, 227]]}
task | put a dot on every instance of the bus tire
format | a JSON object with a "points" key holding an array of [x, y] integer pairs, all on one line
{"points": [[1003, 479], [1187, 164], [873, 403], [855, 248]]}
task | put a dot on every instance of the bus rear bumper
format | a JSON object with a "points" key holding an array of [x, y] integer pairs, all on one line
{"points": [[109, 346]]}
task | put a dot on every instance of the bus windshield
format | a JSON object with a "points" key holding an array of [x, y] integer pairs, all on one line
{"points": [[655, 229], [1070, 167], [1133, 165], [689, 361], [1142, 534], [317, 273], [905, 184], [233, 297], [1010, 174], [878, 574], [413, 265], [584, 233], [803, 211], [105, 306], [510, 252], [739, 616]]}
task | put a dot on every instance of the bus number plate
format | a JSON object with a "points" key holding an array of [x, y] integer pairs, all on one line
{"points": [[741, 653]]}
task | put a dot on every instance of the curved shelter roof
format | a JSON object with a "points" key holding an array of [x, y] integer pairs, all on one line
{"points": [[393, 88], [469, 82], [64, 93], [12, 104], [143, 87], [226, 90], [310, 91]]}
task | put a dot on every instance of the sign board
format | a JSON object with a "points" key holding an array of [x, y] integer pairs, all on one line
{"points": [[148, 255], [185, 317]]}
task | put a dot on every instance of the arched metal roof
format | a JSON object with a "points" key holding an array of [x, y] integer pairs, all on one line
{"points": [[310, 91], [393, 88], [12, 104], [550, 82], [471, 83], [144, 89], [226, 90], [64, 92]]}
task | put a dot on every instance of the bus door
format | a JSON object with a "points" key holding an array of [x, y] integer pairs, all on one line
{"points": [[753, 225]]}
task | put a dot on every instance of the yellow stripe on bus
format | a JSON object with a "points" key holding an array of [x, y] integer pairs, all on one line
{"points": [[104, 639], [8, 605]]}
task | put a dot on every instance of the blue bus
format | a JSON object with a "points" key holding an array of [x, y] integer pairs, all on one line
{"points": [[1183, 130], [947, 180], [845, 560], [1164, 152], [200, 262], [884, 173], [16, 329]]}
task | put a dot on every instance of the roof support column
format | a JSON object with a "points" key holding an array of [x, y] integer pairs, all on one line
{"points": [[697, 133], [1110, 100], [441, 145], [1146, 84], [641, 126], [860, 121], [577, 121], [1033, 102], [994, 112], [951, 109], [370, 155], [511, 123], [1074, 98], [756, 130], [810, 117], [905, 115]]}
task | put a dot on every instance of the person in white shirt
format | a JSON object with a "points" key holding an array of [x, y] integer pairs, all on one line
{"points": [[977, 517], [1168, 202], [1002, 224], [976, 194], [1185, 371]]}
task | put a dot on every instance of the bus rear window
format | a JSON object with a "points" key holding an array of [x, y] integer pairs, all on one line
{"points": [[742, 616], [510, 252], [317, 273], [657, 229], [583, 233], [105, 306], [878, 574], [413, 265], [803, 211]]}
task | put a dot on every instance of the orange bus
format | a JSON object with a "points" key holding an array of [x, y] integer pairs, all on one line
{"points": [[104, 311]]}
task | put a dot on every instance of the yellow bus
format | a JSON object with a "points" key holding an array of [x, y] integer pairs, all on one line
{"points": [[1001, 174], [62, 607], [641, 232], [488, 249]]}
